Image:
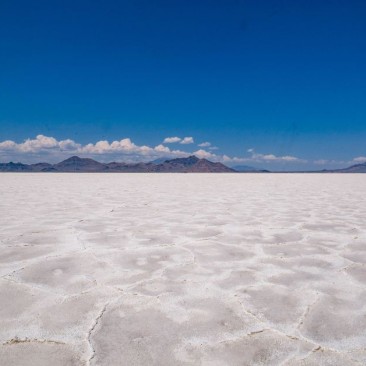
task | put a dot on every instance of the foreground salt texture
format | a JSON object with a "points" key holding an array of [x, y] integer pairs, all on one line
{"points": [[182, 269]]}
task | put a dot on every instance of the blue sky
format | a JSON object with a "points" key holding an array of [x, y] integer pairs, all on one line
{"points": [[274, 84]]}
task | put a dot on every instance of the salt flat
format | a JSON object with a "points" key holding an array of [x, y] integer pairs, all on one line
{"points": [[182, 269]]}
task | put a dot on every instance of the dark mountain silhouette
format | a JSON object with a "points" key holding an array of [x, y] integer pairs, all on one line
{"points": [[40, 167], [357, 168], [191, 164], [76, 164], [130, 168], [14, 167]]}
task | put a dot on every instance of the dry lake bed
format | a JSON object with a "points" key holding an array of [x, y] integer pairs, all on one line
{"points": [[182, 269]]}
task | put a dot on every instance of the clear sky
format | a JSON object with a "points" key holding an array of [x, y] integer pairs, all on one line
{"points": [[276, 84]]}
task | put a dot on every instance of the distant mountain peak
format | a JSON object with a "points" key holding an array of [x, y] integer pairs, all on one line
{"points": [[192, 164], [190, 160], [75, 163], [78, 159], [74, 158], [357, 168]]}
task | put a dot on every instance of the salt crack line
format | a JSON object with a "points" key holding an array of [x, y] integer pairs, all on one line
{"points": [[250, 334], [17, 340], [307, 311], [96, 321]]}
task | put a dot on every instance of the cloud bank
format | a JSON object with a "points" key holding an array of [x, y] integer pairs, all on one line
{"points": [[273, 158], [360, 159], [49, 149]]}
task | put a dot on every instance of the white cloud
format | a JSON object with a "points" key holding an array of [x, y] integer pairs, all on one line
{"points": [[360, 159], [187, 140], [162, 148], [203, 154], [235, 159], [205, 144], [8, 145], [171, 140], [40, 143], [68, 145], [256, 157]]}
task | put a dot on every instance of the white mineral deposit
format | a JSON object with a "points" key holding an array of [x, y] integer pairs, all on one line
{"points": [[182, 269]]}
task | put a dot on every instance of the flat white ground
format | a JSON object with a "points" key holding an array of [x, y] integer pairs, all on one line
{"points": [[182, 269]]}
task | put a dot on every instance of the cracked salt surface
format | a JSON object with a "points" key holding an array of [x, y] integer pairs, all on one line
{"points": [[188, 269]]}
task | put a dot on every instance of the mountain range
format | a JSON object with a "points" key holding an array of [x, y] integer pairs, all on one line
{"points": [[190, 164]]}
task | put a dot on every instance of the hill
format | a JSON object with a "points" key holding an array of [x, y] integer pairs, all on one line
{"points": [[76, 164], [358, 168]]}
